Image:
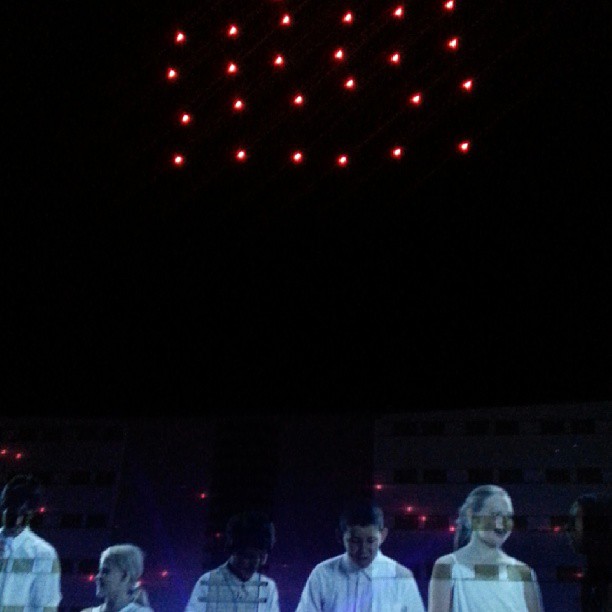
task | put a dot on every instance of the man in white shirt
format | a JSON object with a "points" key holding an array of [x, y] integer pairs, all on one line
{"points": [[238, 585], [362, 579], [29, 565]]}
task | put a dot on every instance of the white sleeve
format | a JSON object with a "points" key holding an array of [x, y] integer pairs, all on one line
{"points": [[193, 605], [273, 605], [45, 592], [413, 596], [311, 599]]}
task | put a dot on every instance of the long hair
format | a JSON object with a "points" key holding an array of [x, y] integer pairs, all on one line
{"points": [[129, 559], [474, 503]]}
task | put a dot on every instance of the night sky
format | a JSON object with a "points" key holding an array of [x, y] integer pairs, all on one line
{"points": [[456, 281]]}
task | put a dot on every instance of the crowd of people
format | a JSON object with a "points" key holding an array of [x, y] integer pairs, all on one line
{"points": [[478, 576]]}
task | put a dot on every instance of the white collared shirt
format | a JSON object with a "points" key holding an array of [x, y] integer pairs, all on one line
{"points": [[338, 585], [221, 591], [29, 573]]}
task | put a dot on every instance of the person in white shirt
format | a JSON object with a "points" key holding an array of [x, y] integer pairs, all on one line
{"points": [[117, 580], [29, 565], [479, 576], [362, 579], [238, 585]]}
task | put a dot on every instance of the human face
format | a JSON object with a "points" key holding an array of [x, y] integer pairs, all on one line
{"points": [[362, 543], [575, 528], [492, 524], [244, 563], [111, 582]]}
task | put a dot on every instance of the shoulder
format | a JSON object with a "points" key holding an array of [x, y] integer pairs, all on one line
{"points": [[442, 568], [329, 566], [269, 581], [39, 546], [517, 570], [388, 565]]}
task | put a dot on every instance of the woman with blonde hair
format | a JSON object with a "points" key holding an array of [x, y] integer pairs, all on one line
{"points": [[117, 581], [479, 576]]}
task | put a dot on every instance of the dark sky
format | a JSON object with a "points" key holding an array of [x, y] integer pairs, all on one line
{"points": [[482, 282]]}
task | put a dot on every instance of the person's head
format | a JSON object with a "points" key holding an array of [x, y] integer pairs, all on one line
{"points": [[249, 538], [362, 531], [18, 501], [589, 526], [121, 567], [486, 515]]}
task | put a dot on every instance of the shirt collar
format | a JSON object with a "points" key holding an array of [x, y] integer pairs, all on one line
{"points": [[15, 541], [351, 567], [228, 572]]}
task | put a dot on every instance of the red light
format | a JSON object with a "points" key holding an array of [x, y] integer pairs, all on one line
{"points": [[378, 487], [286, 20], [4, 451], [179, 38], [42, 510], [342, 160], [398, 12], [232, 68], [279, 61], [297, 157], [298, 100], [349, 83], [423, 518], [453, 44], [395, 58], [452, 528], [91, 577], [218, 535], [556, 529], [164, 573], [172, 73], [348, 17], [450, 5], [241, 155], [397, 152], [203, 495], [464, 146], [415, 99], [409, 508], [18, 455], [238, 105], [178, 160], [185, 118], [339, 54], [467, 85], [232, 31]]}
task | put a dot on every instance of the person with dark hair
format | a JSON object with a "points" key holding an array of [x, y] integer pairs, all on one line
{"points": [[238, 585], [117, 580], [29, 565], [479, 576], [362, 579], [589, 529]]}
